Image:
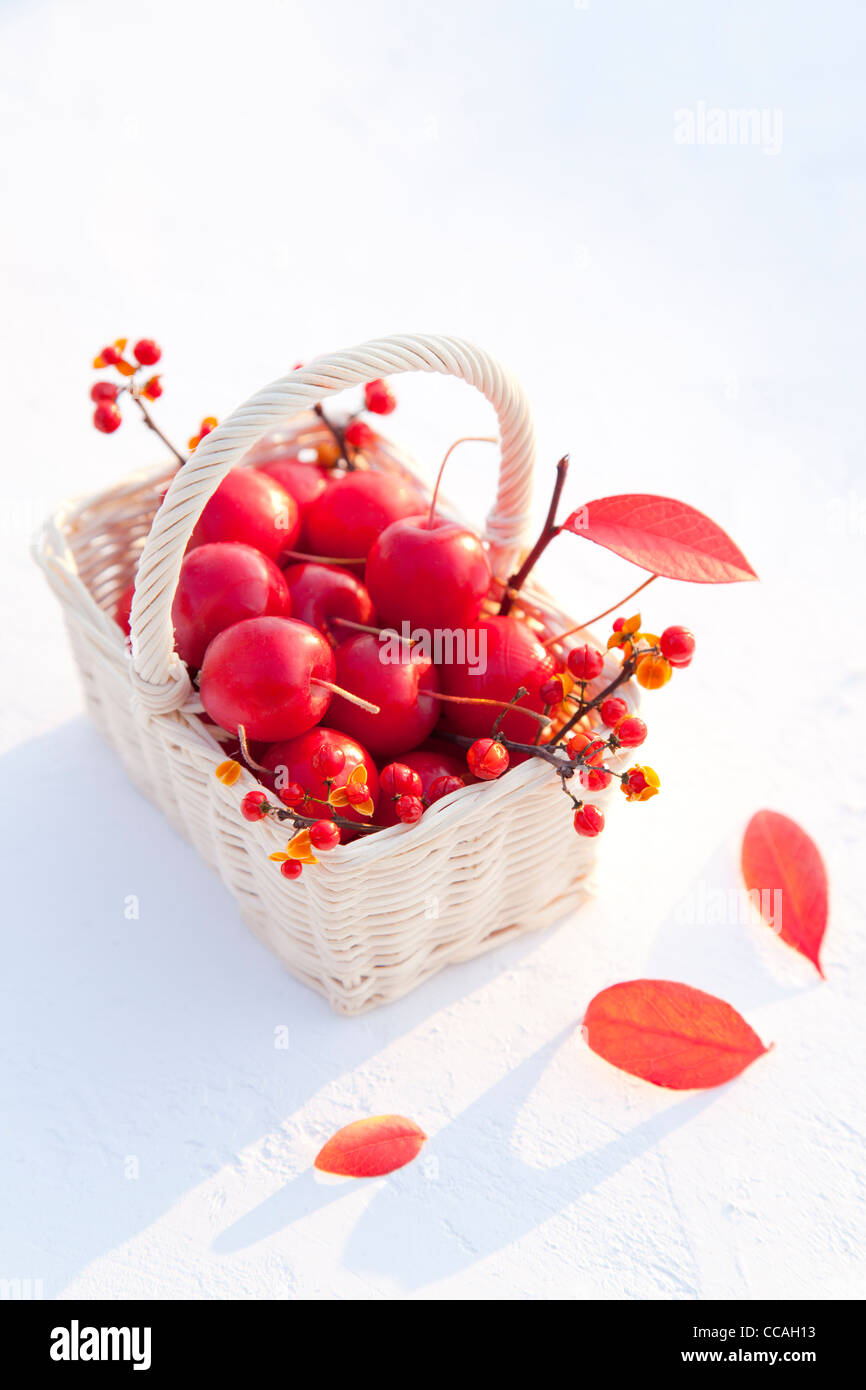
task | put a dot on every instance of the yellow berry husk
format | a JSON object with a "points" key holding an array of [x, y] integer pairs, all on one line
{"points": [[653, 672]]}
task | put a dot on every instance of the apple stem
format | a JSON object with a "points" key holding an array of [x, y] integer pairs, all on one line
{"points": [[346, 694], [302, 558], [581, 627], [464, 439], [549, 530], [247, 755], [504, 705], [366, 627]]}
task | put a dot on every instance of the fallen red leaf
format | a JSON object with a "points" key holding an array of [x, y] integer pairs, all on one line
{"points": [[663, 536], [783, 866], [368, 1148], [670, 1034]]}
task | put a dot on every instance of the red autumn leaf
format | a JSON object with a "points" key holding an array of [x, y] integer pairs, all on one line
{"points": [[670, 1034], [784, 867], [663, 536], [368, 1148]]}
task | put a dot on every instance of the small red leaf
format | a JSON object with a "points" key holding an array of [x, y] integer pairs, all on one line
{"points": [[783, 866], [368, 1148], [670, 1034], [663, 536]]}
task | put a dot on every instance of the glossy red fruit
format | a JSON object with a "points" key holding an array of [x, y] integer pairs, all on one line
{"points": [[407, 713], [612, 710], [551, 692], [677, 645], [358, 435], [292, 794], [349, 515], [321, 593], [630, 731], [254, 805], [379, 398], [399, 779], [303, 481], [328, 761], [222, 584], [412, 774], [107, 417], [585, 663], [595, 779], [291, 762], [487, 759], [324, 835], [124, 608], [104, 391], [259, 673], [409, 809], [505, 654], [432, 763], [429, 576], [147, 352], [152, 388], [357, 793], [589, 821], [444, 786], [111, 355], [591, 746], [249, 507], [291, 868]]}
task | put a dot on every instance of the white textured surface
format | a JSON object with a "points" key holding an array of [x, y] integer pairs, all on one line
{"points": [[684, 319]]}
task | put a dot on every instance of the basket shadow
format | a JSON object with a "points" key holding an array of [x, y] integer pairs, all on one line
{"points": [[139, 1015], [442, 1214]]}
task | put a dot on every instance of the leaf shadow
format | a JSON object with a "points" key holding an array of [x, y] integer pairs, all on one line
{"points": [[445, 1212], [721, 945], [147, 1039]]}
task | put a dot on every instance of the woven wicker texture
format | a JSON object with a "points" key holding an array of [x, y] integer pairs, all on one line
{"points": [[375, 917]]}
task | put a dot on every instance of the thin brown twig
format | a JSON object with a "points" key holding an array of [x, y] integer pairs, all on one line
{"points": [[152, 425], [581, 627], [549, 530]]}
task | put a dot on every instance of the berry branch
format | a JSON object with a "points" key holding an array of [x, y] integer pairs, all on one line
{"points": [[548, 532], [152, 425], [106, 394]]}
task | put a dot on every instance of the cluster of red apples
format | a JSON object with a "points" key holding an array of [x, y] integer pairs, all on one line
{"points": [[300, 564]]}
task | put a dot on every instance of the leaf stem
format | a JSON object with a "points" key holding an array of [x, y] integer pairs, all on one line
{"points": [[581, 627]]}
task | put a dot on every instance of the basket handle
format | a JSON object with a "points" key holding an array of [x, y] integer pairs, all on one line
{"points": [[158, 674]]}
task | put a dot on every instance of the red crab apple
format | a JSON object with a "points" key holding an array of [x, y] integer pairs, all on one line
{"points": [[123, 608], [509, 656], [345, 520], [398, 686], [429, 572], [265, 673], [250, 507], [222, 584], [303, 481], [321, 593], [292, 761]]}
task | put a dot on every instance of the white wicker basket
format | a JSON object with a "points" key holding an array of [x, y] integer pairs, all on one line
{"points": [[378, 916]]}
